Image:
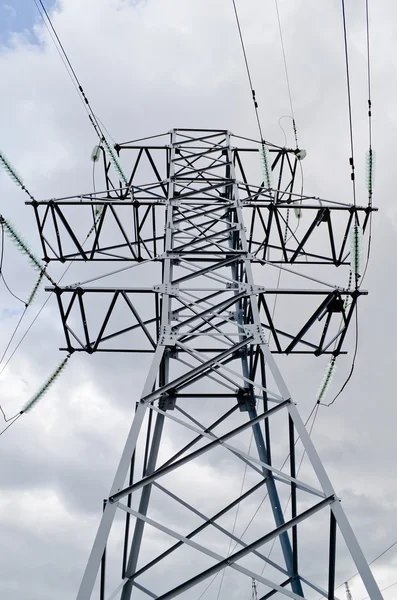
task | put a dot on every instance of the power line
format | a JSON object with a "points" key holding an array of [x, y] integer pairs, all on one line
{"points": [[5, 416], [315, 410], [387, 588], [1, 267], [383, 589], [24, 335], [353, 365], [384, 552], [236, 515], [12, 423], [10, 291], [22, 246], [69, 67], [12, 337], [256, 106], [250, 81], [37, 396], [24, 312], [257, 112], [368, 72], [34, 320], [255, 103], [349, 102], [371, 166], [371, 563], [286, 74]]}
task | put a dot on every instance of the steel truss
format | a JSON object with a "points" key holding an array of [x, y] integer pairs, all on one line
{"points": [[211, 242]]}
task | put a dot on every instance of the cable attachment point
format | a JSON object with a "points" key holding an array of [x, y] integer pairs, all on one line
{"points": [[113, 158]]}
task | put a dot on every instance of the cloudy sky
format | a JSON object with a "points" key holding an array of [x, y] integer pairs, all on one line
{"points": [[148, 66]]}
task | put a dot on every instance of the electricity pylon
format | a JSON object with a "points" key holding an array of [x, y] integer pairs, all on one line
{"points": [[207, 245]]}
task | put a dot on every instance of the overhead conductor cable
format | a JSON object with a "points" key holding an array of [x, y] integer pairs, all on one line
{"points": [[356, 234], [370, 154], [72, 73]]}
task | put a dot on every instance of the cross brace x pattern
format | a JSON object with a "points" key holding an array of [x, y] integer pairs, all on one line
{"points": [[208, 326]]}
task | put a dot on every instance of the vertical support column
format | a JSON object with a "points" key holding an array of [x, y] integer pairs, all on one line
{"points": [[102, 584], [257, 431], [163, 379], [293, 494], [127, 520], [332, 557]]}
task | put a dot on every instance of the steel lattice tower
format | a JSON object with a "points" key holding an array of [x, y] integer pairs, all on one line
{"points": [[207, 244]]}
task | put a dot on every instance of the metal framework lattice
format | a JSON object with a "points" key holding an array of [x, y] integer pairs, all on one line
{"points": [[206, 247]]}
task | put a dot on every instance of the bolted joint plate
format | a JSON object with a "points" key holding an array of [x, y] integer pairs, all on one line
{"points": [[250, 289], [256, 332], [167, 288], [167, 336]]}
